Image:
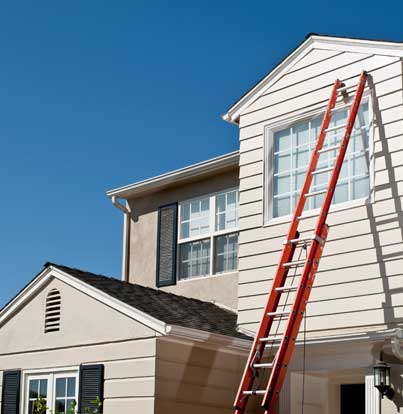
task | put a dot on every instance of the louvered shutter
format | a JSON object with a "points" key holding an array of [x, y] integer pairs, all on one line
{"points": [[166, 244], [10, 396], [91, 387]]}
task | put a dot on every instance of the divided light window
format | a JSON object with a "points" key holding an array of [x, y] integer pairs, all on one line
{"points": [[58, 390], [208, 235], [291, 149]]}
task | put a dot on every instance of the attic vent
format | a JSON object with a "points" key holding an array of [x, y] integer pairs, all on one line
{"points": [[52, 313]]}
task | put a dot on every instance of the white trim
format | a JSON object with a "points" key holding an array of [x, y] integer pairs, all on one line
{"points": [[50, 375], [372, 337], [210, 339], [177, 176], [53, 272], [314, 41]]}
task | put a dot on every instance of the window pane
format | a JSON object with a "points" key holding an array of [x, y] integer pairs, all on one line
{"points": [[282, 184], [33, 388], [282, 140], [43, 388], [60, 387], [227, 210], [226, 255], [281, 206], [195, 218], [60, 406], [291, 159], [194, 259], [71, 387]]}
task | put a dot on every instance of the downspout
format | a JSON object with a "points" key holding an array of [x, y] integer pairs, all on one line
{"points": [[126, 236], [395, 342]]}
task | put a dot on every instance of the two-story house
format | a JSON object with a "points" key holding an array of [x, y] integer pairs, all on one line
{"points": [[200, 248]]}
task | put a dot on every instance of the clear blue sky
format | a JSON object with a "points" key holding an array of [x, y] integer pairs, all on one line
{"points": [[98, 94]]}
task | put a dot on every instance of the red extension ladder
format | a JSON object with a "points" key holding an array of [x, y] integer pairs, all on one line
{"points": [[278, 366]]}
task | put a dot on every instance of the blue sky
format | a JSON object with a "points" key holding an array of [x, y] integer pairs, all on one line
{"points": [[98, 94]]}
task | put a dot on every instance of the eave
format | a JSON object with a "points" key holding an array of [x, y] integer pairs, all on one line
{"points": [[190, 173]]}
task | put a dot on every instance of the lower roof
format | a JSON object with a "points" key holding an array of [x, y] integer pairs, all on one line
{"points": [[167, 307]]}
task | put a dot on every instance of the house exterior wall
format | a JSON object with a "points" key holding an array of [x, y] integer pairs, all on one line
{"points": [[200, 380], [90, 333], [358, 283], [143, 241]]}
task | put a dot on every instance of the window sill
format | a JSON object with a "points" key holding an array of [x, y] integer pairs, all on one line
{"points": [[314, 213], [191, 279]]}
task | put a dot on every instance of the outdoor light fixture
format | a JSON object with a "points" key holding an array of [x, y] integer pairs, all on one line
{"points": [[382, 379]]}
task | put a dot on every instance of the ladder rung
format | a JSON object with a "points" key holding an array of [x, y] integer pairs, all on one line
{"points": [[335, 128], [327, 149], [298, 241], [254, 392], [271, 339], [278, 313], [294, 264], [322, 170], [264, 365], [314, 193], [286, 288]]}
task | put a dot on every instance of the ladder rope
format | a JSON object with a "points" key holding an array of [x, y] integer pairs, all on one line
{"points": [[303, 367]]}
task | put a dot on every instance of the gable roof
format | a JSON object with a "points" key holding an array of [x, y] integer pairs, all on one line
{"points": [[152, 307], [312, 41]]}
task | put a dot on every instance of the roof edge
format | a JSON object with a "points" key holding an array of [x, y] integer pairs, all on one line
{"points": [[180, 175], [52, 271], [380, 46]]}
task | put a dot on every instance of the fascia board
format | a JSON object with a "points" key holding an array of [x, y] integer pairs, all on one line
{"points": [[180, 175], [320, 42]]}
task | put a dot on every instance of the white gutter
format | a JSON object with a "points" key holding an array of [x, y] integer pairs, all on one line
{"points": [[191, 172], [126, 236]]}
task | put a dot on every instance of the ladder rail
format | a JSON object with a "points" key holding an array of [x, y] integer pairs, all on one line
{"points": [[286, 256], [295, 318]]}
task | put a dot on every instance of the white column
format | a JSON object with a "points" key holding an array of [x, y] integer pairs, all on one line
{"points": [[372, 396]]}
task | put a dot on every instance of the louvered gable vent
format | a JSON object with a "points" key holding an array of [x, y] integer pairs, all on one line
{"points": [[52, 313]]}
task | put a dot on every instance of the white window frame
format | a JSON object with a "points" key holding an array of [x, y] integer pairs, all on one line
{"points": [[212, 234], [269, 131], [51, 375]]}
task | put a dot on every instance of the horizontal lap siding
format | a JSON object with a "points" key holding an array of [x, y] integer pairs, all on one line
{"points": [[359, 278], [129, 370], [204, 379]]}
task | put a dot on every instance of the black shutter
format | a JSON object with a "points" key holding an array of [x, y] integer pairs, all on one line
{"points": [[10, 398], [91, 388], [166, 244]]}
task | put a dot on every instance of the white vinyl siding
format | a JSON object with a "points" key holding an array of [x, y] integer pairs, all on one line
{"points": [[363, 251], [208, 238], [292, 148]]}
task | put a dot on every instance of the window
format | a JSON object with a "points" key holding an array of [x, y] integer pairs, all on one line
{"points": [[57, 390], [291, 149], [208, 235]]}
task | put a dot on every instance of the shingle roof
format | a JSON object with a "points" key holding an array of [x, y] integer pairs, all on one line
{"points": [[166, 307]]}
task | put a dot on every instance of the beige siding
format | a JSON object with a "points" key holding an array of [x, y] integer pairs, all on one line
{"points": [[200, 380], [143, 244], [358, 283], [91, 333]]}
